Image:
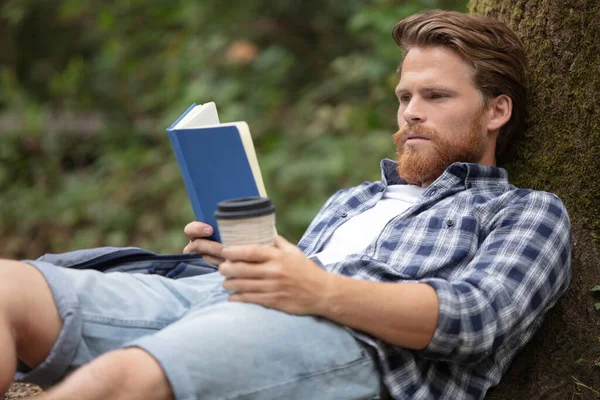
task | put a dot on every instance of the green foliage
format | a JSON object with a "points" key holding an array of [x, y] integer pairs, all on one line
{"points": [[88, 89], [596, 290]]}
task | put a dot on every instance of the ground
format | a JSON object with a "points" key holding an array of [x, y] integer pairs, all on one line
{"points": [[22, 391]]}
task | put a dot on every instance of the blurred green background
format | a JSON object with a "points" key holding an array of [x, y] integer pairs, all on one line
{"points": [[87, 89]]}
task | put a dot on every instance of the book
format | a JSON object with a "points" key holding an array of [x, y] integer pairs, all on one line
{"points": [[217, 161]]}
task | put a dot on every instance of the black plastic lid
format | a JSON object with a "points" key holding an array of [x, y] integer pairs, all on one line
{"points": [[245, 207]]}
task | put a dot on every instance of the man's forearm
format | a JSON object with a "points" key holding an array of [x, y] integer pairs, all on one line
{"points": [[401, 314]]}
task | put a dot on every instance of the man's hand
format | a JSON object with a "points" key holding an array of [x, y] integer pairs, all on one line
{"points": [[279, 277], [283, 278], [198, 233]]}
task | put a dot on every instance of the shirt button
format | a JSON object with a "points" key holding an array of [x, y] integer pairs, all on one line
{"points": [[433, 192], [450, 223], [344, 215]]}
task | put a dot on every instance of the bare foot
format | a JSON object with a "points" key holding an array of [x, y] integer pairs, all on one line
{"points": [[128, 374]]}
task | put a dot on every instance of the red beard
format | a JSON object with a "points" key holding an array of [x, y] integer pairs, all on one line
{"points": [[423, 164]]}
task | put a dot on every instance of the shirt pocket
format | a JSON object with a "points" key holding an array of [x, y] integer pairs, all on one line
{"points": [[433, 245]]}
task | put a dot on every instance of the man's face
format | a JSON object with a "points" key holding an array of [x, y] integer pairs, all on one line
{"points": [[441, 115]]}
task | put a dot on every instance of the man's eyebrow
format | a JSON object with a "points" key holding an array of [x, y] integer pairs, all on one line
{"points": [[439, 88], [432, 88]]}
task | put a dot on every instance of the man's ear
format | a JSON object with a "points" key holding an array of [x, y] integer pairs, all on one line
{"points": [[500, 111]]}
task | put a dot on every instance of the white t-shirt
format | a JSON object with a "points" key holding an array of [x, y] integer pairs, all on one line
{"points": [[354, 235]]}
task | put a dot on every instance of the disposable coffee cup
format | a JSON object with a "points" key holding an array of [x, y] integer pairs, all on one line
{"points": [[247, 220]]}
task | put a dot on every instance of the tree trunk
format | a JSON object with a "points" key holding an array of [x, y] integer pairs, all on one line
{"points": [[560, 153]]}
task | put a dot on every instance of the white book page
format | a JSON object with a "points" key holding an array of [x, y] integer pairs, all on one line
{"points": [[200, 116]]}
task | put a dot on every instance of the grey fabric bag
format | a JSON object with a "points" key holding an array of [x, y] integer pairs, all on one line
{"points": [[132, 260]]}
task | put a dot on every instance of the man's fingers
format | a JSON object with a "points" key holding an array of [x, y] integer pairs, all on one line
{"points": [[238, 270], [195, 230], [204, 247], [209, 249], [244, 270], [250, 253], [214, 260]]}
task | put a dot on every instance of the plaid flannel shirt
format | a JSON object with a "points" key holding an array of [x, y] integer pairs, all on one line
{"points": [[498, 257]]}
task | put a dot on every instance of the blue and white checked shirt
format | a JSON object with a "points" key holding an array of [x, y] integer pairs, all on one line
{"points": [[498, 257]]}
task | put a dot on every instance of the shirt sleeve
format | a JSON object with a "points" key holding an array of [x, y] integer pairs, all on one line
{"points": [[520, 270]]}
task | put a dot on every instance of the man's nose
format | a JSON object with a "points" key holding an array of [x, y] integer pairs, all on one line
{"points": [[413, 112]]}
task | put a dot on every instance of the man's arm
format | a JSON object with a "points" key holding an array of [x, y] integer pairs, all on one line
{"points": [[404, 315], [522, 267], [285, 279], [520, 270]]}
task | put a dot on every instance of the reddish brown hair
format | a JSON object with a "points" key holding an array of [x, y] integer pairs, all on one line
{"points": [[494, 52]]}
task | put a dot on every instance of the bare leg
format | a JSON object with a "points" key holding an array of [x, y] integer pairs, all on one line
{"points": [[8, 355], [29, 319], [129, 374], [29, 326]]}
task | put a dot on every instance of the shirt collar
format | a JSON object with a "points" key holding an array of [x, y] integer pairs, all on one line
{"points": [[467, 174]]}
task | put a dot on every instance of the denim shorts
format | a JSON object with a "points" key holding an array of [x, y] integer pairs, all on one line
{"points": [[208, 347]]}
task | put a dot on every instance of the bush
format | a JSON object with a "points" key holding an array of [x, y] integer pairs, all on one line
{"points": [[89, 88]]}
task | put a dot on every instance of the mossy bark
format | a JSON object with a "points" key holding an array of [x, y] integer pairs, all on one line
{"points": [[560, 152]]}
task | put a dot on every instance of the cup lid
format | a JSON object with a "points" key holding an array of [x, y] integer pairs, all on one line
{"points": [[244, 207]]}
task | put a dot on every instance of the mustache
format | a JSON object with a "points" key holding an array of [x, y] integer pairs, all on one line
{"points": [[414, 130]]}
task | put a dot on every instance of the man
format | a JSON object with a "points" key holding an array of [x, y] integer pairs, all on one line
{"points": [[423, 285]]}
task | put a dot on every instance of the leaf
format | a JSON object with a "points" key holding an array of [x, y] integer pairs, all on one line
{"points": [[596, 288], [597, 305]]}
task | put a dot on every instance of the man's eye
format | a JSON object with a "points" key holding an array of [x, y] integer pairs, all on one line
{"points": [[404, 98], [436, 95]]}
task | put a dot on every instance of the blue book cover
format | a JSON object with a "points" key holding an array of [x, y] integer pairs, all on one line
{"points": [[217, 162]]}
